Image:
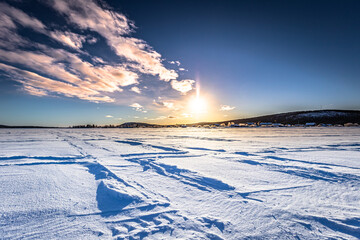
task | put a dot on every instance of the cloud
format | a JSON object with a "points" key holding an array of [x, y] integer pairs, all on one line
{"points": [[136, 89], [138, 107], [71, 75], [10, 16], [72, 70], [68, 38], [34, 91], [92, 40], [40, 86], [69, 69], [115, 28], [109, 116], [182, 69], [175, 62], [10, 20], [168, 104], [182, 86], [226, 108]]}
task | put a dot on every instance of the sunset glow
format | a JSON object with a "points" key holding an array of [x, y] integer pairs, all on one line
{"points": [[198, 105], [78, 62], [178, 119]]}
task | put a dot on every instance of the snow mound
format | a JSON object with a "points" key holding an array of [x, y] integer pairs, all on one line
{"points": [[113, 198]]}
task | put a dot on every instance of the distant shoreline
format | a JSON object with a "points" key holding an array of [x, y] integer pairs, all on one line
{"points": [[323, 118]]}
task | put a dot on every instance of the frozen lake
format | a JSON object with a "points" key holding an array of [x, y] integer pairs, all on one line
{"points": [[248, 183]]}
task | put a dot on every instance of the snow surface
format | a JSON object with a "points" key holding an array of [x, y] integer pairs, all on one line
{"points": [[248, 183]]}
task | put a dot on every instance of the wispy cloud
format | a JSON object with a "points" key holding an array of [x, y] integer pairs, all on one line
{"points": [[68, 38], [84, 78], [226, 108], [70, 70], [39, 85], [115, 28], [109, 116], [11, 16], [34, 91]]}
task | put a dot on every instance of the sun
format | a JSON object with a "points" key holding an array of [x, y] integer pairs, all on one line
{"points": [[198, 105]]}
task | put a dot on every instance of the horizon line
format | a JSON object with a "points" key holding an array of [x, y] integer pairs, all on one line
{"points": [[155, 124]]}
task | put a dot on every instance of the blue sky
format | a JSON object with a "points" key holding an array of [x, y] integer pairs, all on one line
{"points": [[76, 62]]}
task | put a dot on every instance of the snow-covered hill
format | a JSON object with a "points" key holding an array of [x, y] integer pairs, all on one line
{"points": [[318, 116]]}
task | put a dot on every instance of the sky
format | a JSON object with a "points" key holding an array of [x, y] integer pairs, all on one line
{"points": [[66, 63]]}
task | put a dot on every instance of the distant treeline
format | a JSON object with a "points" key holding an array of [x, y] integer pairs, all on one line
{"points": [[124, 125], [96, 126], [6, 126]]}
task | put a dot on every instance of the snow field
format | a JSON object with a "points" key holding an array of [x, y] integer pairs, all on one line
{"points": [[274, 183]]}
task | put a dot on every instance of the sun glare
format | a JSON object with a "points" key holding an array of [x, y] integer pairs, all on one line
{"points": [[198, 105]]}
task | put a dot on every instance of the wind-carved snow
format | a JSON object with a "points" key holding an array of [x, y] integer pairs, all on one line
{"points": [[189, 183]]}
